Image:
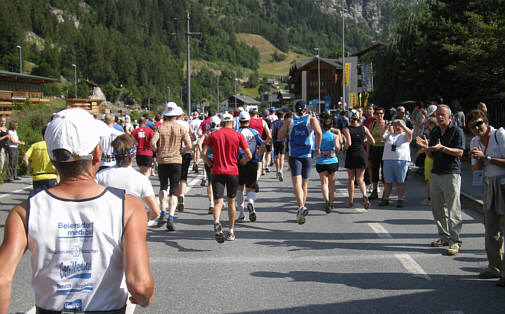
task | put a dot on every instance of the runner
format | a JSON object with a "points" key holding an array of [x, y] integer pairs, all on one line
{"points": [[186, 160], [215, 123], [327, 163], [247, 173], [300, 128], [123, 176], [225, 143], [279, 144], [261, 126], [103, 267], [108, 159], [167, 141], [195, 124], [144, 158], [42, 170]]}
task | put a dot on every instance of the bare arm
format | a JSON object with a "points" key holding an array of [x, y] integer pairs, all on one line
{"points": [[205, 156], [248, 156], [318, 134], [27, 163], [347, 138], [152, 205], [139, 279], [268, 134], [369, 137], [11, 251], [283, 131], [336, 142], [187, 143], [13, 141], [154, 141]]}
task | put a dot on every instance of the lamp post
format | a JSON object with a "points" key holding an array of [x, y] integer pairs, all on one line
{"points": [[318, 81], [235, 92], [75, 79], [168, 93], [20, 59], [217, 98], [344, 105]]}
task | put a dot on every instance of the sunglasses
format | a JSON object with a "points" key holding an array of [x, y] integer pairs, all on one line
{"points": [[379, 113], [476, 124]]}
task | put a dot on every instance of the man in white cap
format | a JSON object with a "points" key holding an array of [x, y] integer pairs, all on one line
{"points": [[167, 141], [85, 239], [225, 144]]}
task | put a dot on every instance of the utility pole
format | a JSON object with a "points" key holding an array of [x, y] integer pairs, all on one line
{"points": [[318, 82], [20, 59], [343, 58], [188, 35], [75, 79], [217, 98], [168, 93]]}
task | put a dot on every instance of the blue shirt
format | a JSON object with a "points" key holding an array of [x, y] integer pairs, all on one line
{"points": [[253, 139], [118, 127], [300, 137], [328, 153]]}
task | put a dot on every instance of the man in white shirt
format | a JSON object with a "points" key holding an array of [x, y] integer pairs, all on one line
{"points": [[108, 159]]}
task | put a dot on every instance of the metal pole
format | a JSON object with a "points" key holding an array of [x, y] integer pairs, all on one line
{"points": [[235, 93], [20, 59], [344, 105], [168, 93], [189, 63], [217, 98], [75, 80], [318, 81]]}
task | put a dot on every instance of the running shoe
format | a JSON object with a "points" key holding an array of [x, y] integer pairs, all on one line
{"points": [[384, 202], [370, 188], [399, 203], [426, 202], [241, 218], [218, 229], [230, 236], [439, 243], [180, 203], [327, 207], [154, 222], [252, 212], [453, 249], [170, 225], [195, 168], [366, 202], [281, 177], [349, 204], [256, 187], [374, 195], [300, 216], [211, 210], [203, 183], [267, 170], [263, 172], [162, 220]]}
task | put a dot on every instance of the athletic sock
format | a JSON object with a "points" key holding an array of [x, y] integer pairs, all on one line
{"points": [[240, 201], [171, 218], [251, 196], [231, 231], [216, 221], [163, 213], [211, 203]]}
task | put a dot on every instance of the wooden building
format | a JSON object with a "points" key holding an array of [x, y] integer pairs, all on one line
{"points": [[16, 88]]}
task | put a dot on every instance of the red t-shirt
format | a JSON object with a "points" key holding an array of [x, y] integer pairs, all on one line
{"points": [[369, 121], [158, 124], [257, 124], [225, 144], [143, 136], [204, 126]]}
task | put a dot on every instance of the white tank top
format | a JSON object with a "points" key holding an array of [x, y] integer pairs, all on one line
{"points": [[76, 251]]}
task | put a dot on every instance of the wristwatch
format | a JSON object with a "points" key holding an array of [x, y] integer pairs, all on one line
{"points": [[443, 149], [489, 158]]}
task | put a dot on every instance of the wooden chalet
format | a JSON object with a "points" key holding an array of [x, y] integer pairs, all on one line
{"points": [[16, 88]]}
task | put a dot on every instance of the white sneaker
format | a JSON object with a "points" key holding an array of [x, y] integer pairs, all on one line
{"points": [[153, 222], [426, 202], [370, 188]]}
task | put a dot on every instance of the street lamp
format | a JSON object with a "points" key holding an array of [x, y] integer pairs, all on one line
{"points": [[318, 81], [235, 92], [20, 59], [75, 79], [343, 58], [168, 93], [217, 98]]}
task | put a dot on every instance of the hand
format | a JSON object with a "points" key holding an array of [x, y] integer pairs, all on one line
{"points": [[422, 142], [477, 153], [133, 300], [243, 162], [317, 153], [436, 147]]}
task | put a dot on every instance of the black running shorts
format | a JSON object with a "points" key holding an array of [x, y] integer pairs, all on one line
{"points": [[279, 148], [268, 148], [144, 161], [172, 173], [331, 168], [247, 174], [219, 181], [186, 160]]}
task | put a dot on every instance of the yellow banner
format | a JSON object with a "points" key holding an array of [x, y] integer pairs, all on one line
{"points": [[347, 73], [353, 99]]}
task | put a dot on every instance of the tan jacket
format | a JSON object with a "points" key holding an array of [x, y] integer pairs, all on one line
{"points": [[169, 137]]}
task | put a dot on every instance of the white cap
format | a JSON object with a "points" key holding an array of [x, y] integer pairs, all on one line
{"points": [[215, 120], [76, 131], [170, 109], [431, 110], [244, 116], [227, 117], [240, 109], [354, 114]]}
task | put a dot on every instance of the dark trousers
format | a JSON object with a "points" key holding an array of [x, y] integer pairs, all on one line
{"points": [[12, 170]]}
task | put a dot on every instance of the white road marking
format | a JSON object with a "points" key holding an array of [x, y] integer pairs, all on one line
{"points": [[412, 266], [33, 310], [380, 230], [193, 182], [15, 191]]}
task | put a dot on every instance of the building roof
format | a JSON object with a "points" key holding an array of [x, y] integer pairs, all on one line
{"points": [[247, 100], [333, 62], [21, 77], [286, 95], [364, 51]]}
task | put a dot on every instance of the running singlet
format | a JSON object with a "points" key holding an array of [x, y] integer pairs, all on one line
{"points": [[77, 260], [108, 158], [253, 139], [300, 137], [143, 136], [257, 124], [225, 144], [328, 154]]}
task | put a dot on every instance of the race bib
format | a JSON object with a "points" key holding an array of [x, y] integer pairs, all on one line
{"points": [[478, 178]]}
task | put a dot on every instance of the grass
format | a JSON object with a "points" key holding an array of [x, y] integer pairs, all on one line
{"points": [[251, 92], [266, 49]]}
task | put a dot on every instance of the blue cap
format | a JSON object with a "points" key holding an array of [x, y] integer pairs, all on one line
{"points": [[300, 107]]}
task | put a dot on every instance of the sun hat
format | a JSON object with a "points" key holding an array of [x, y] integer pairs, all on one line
{"points": [[170, 109], [244, 116], [227, 117], [431, 110], [76, 131]]}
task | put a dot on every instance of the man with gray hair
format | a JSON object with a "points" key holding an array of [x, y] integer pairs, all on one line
{"points": [[445, 146]]}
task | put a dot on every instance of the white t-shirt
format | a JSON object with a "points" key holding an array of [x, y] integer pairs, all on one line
{"points": [[108, 158], [186, 125], [493, 149], [402, 147], [195, 124], [14, 135], [126, 178]]}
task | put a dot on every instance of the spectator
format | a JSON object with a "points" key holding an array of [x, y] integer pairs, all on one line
{"points": [[13, 143], [487, 150], [114, 223], [401, 114], [396, 158], [369, 115], [42, 170], [482, 107], [4, 147], [431, 123], [445, 145], [376, 151], [128, 127]]}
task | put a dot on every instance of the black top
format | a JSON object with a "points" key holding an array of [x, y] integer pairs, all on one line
{"points": [[357, 134], [3, 143], [444, 163]]}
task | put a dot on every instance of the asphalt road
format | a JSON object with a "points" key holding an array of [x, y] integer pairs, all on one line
{"points": [[349, 261]]}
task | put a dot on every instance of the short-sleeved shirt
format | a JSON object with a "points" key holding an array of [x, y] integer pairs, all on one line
{"points": [[108, 158], [276, 126], [43, 168], [170, 136], [226, 143], [453, 138], [143, 136], [495, 149], [204, 126], [402, 147], [126, 178]]}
